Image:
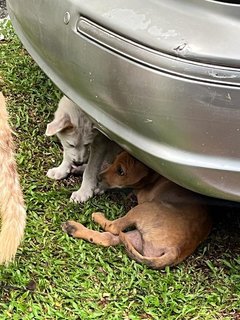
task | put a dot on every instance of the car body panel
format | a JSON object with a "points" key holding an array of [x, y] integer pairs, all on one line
{"points": [[150, 78]]}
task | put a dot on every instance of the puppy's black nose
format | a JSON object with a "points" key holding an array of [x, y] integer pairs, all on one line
{"points": [[77, 163]]}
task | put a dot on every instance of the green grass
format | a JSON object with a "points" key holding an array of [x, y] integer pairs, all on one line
{"points": [[57, 277]]}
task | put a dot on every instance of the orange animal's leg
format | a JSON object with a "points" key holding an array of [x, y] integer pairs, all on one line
{"points": [[113, 227], [77, 230], [118, 225]]}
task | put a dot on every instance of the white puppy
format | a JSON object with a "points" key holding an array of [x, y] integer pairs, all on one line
{"points": [[80, 141], [76, 133]]}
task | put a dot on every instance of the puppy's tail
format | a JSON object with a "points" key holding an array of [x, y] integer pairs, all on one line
{"points": [[13, 214], [169, 257]]}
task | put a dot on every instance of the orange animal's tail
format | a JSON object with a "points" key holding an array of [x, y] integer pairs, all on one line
{"points": [[168, 258], [13, 214]]}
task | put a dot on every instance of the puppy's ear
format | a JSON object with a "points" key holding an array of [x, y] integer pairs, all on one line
{"points": [[58, 125]]}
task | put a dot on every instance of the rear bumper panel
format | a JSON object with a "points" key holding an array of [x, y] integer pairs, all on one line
{"points": [[180, 117]]}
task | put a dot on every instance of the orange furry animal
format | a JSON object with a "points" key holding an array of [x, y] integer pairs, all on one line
{"points": [[170, 221], [13, 214]]}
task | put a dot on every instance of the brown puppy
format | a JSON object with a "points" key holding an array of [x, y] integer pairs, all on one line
{"points": [[169, 220], [13, 214]]}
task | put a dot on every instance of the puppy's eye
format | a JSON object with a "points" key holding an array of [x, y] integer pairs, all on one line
{"points": [[120, 171], [71, 145]]}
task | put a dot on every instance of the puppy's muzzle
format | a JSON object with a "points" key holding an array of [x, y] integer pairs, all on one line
{"points": [[78, 163]]}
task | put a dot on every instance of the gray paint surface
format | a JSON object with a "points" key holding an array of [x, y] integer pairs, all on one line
{"points": [[159, 77]]}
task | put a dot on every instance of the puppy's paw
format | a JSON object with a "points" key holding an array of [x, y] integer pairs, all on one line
{"points": [[98, 217], [73, 228], [69, 228], [57, 174], [81, 196]]}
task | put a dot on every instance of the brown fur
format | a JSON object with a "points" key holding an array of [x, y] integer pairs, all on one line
{"points": [[13, 214], [169, 221]]}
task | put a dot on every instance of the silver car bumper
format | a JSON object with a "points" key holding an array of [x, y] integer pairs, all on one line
{"points": [[161, 78]]}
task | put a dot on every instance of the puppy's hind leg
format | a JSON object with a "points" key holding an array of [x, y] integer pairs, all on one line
{"points": [[77, 230]]}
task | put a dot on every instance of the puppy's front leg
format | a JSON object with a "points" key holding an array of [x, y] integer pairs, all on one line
{"points": [[120, 224], [77, 230], [60, 172], [98, 151], [115, 226]]}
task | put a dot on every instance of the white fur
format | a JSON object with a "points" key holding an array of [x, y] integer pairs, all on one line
{"points": [[75, 131], [81, 143]]}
